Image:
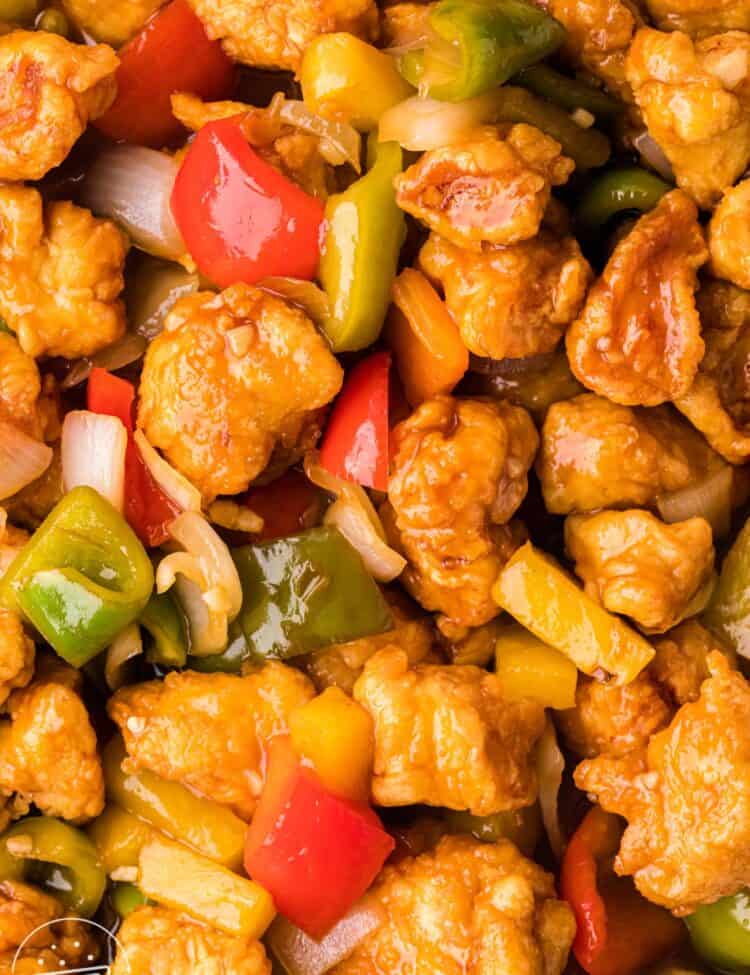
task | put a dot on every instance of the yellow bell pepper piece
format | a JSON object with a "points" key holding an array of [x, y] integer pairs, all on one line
{"points": [[538, 593], [529, 668], [344, 78], [335, 736], [118, 837], [176, 877]]}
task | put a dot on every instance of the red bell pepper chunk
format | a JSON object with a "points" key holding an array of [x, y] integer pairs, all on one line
{"points": [[314, 852], [240, 218], [288, 505], [148, 510], [355, 443], [171, 53], [618, 931]]}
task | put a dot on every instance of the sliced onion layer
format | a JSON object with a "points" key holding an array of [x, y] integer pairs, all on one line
{"points": [[130, 348], [339, 142], [22, 459], [175, 485], [550, 767], [126, 646], [420, 124], [93, 454], [710, 498], [152, 289]]}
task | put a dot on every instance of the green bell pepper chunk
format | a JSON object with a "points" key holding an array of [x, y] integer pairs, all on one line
{"points": [[365, 231], [229, 661], [164, 621], [57, 857], [522, 826], [82, 577], [307, 591], [53, 21], [126, 898], [479, 44], [631, 188], [720, 933], [728, 612], [568, 93]]}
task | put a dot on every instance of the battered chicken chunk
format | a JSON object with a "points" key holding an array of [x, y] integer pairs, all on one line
{"points": [[638, 339], [695, 100], [445, 736], [113, 21], [596, 454], [459, 472], [718, 402], [20, 385], [232, 376], [700, 18], [686, 798], [16, 654], [208, 731], [466, 908], [729, 236], [494, 189], [60, 275], [681, 662], [12, 540], [635, 564], [48, 752], [511, 301], [158, 941], [50, 90], [275, 33]]}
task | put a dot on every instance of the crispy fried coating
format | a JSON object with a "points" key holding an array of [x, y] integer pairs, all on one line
{"points": [[459, 472], [20, 385], [445, 736], [111, 21], [490, 190], [596, 454], [510, 302], [50, 89], [686, 798], [16, 654], [729, 236], [209, 731], [60, 275], [232, 376], [638, 339], [466, 908], [695, 100], [700, 18]]}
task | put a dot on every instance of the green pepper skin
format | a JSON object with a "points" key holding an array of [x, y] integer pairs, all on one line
{"points": [[166, 624], [494, 39], [567, 92], [720, 933], [126, 898], [57, 857], [522, 826], [307, 591], [631, 188], [364, 233], [728, 613], [82, 578], [230, 661]]}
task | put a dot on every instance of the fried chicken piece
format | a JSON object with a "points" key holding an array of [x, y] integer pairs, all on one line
{"points": [[60, 275], [209, 731], [275, 33], [510, 302], [698, 17], [48, 752], [729, 236], [159, 941], [50, 90], [445, 736], [12, 540], [596, 454], [695, 100], [33, 503], [466, 908], [686, 798], [16, 654], [494, 189], [232, 376], [459, 472], [112, 21], [638, 339], [20, 385]]}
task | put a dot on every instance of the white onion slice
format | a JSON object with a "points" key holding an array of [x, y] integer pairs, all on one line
{"points": [[208, 630], [306, 295], [124, 647], [175, 485], [130, 348], [93, 454], [235, 517], [420, 124], [133, 186], [550, 765], [339, 142], [710, 498], [653, 154], [196, 536], [22, 459], [152, 289]]}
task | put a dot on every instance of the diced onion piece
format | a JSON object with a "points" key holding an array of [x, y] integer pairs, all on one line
{"points": [[299, 954], [22, 459], [208, 630], [653, 154], [339, 142], [124, 647], [583, 118], [152, 288], [130, 348], [306, 295], [196, 536], [179, 563], [175, 485], [235, 517], [133, 186], [93, 454], [710, 498], [550, 767], [420, 124]]}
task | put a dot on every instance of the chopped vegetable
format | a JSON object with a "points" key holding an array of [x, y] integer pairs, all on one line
{"points": [[355, 443], [165, 623], [93, 450], [126, 646], [171, 53], [174, 876], [343, 841], [305, 592], [364, 233], [544, 598], [427, 348], [568, 93], [151, 290], [202, 824], [527, 667], [130, 348], [616, 191], [170, 482], [241, 219], [338, 142], [22, 459], [710, 498], [523, 827], [550, 766], [720, 933], [82, 578], [118, 837], [288, 505], [126, 898], [728, 612], [54, 21], [343, 77]]}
